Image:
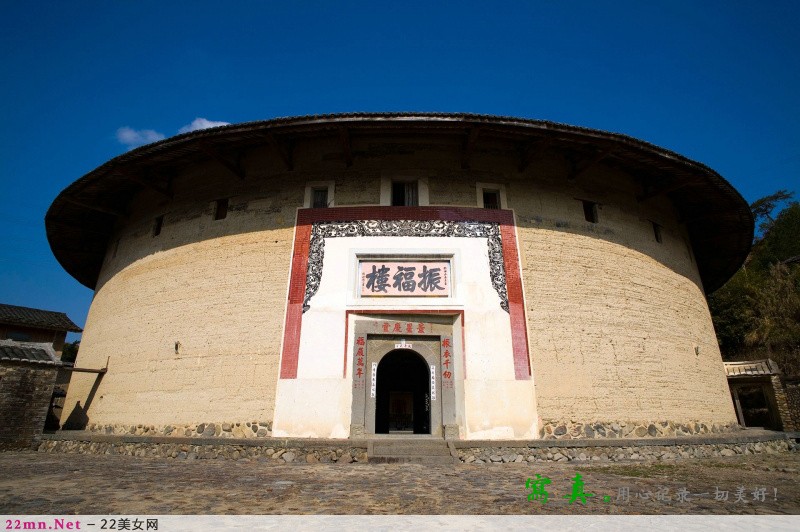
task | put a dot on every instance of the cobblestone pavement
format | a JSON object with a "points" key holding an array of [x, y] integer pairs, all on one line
{"points": [[38, 483]]}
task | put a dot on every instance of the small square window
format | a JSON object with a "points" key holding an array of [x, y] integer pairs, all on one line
{"points": [[157, 224], [221, 209], [590, 211], [491, 199], [657, 232], [319, 195], [319, 198], [404, 194]]}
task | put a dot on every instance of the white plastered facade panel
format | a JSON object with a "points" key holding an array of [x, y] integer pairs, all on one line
{"points": [[486, 360]]}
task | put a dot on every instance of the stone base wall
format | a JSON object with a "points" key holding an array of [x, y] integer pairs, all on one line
{"points": [[280, 451], [187, 451], [491, 455], [25, 392], [247, 429], [558, 430], [782, 404], [793, 402], [571, 430]]}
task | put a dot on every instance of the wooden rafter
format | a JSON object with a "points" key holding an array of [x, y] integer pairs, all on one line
{"points": [[144, 182], [66, 225], [81, 251], [285, 152], [97, 208], [347, 150], [710, 214], [234, 167], [665, 188], [579, 170], [468, 146], [531, 151]]}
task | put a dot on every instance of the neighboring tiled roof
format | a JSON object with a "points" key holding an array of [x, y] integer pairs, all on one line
{"points": [[27, 352], [751, 367], [34, 317]]}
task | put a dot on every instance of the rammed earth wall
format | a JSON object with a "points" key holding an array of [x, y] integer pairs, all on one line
{"points": [[190, 322]]}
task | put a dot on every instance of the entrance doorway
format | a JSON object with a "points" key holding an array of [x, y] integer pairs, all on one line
{"points": [[399, 386], [755, 406], [403, 403]]}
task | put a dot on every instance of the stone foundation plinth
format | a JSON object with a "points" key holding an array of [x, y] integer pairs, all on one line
{"points": [[247, 429], [282, 451], [571, 430], [489, 455], [275, 454]]}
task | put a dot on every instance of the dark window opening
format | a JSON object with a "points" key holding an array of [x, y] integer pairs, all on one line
{"points": [[590, 211], [157, 225], [19, 336], [657, 232], [319, 198], [221, 209], [491, 199], [404, 194]]}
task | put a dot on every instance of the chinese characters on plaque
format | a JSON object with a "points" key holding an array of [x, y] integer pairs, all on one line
{"points": [[403, 327], [405, 279]]}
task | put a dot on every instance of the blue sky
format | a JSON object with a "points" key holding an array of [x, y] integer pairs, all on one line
{"points": [[715, 81]]}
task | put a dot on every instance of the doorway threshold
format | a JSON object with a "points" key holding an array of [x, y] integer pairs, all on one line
{"points": [[402, 435]]}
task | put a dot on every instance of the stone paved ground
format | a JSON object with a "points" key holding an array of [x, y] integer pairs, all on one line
{"points": [[38, 483]]}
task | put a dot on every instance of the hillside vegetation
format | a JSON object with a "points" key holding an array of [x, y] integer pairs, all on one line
{"points": [[757, 313]]}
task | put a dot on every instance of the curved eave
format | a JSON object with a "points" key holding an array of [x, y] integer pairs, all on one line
{"points": [[81, 219]]}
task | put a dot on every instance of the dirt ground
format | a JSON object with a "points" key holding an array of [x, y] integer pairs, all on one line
{"points": [[39, 483]]}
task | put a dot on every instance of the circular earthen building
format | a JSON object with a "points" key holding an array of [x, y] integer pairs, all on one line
{"points": [[463, 276]]}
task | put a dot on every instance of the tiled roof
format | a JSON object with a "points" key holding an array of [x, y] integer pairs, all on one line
{"points": [[34, 317], [717, 219], [751, 367], [27, 353]]}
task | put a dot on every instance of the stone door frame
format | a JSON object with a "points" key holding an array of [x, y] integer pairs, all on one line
{"points": [[426, 347], [374, 339]]}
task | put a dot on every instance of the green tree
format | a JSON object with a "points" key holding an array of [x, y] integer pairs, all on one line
{"points": [[70, 351], [757, 313], [762, 208], [782, 241]]}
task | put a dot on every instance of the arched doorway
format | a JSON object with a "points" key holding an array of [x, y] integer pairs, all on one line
{"points": [[403, 403]]}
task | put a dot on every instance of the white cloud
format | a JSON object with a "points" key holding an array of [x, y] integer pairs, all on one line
{"points": [[201, 123], [133, 138]]}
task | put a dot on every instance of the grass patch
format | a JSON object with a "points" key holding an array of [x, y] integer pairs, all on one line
{"points": [[727, 465]]}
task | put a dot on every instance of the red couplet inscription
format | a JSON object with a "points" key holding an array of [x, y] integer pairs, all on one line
{"points": [[447, 362], [359, 369]]}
